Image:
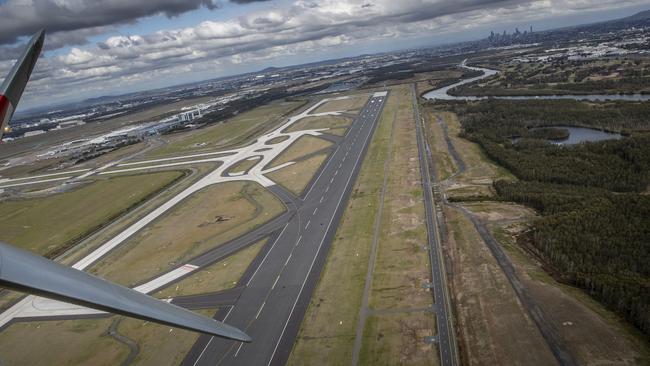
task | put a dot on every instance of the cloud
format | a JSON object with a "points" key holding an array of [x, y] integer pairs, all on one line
{"points": [[25, 17], [302, 27]]}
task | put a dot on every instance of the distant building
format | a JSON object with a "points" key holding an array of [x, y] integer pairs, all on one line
{"points": [[190, 115], [34, 133]]}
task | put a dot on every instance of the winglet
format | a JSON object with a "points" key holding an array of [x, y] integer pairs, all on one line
{"points": [[13, 86], [23, 271]]}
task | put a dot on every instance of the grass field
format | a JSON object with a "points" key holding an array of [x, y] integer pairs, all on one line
{"points": [[327, 333], [205, 220], [61, 342], [443, 161], [402, 264], [49, 224], [159, 344], [296, 176], [243, 166], [234, 131], [87, 342], [397, 339], [219, 276], [299, 148], [352, 104], [312, 123]]}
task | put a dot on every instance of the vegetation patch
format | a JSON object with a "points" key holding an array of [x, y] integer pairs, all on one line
{"points": [[297, 176], [203, 221]]}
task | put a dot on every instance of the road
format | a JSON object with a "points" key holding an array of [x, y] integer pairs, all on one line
{"points": [[445, 337], [275, 298]]}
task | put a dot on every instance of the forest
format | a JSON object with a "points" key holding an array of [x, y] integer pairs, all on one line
{"points": [[593, 197]]}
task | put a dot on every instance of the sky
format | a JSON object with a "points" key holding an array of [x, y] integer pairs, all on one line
{"points": [[108, 47]]}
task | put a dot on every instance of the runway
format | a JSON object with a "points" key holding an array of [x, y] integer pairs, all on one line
{"points": [[275, 298]]}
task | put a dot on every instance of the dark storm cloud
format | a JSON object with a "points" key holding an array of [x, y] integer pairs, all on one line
{"points": [[25, 17]]}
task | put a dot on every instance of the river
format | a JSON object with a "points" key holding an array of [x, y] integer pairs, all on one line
{"points": [[443, 93]]}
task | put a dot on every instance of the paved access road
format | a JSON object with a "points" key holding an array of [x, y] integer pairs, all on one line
{"points": [[275, 298], [445, 337]]}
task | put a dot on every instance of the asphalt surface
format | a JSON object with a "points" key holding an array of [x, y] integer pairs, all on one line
{"points": [[275, 297], [445, 337]]}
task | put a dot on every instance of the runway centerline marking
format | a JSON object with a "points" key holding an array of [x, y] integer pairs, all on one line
{"points": [[260, 310]]}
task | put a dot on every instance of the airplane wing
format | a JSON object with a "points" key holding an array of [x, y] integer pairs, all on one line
{"points": [[14, 85], [26, 272], [23, 271]]}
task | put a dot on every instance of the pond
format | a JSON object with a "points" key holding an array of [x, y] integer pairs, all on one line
{"points": [[578, 135]]}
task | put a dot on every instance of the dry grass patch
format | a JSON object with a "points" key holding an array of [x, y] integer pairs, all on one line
{"points": [[159, 344], [222, 275], [442, 159], [299, 148], [203, 221], [352, 103], [398, 339], [337, 131], [61, 342], [296, 176], [402, 264], [313, 123], [480, 169], [244, 165]]}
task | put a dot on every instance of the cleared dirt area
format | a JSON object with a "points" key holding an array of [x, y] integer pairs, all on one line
{"points": [[397, 339], [296, 176], [205, 220], [299, 148], [327, 333], [222, 275], [231, 132], [47, 224], [593, 334], [351, 104], [494, 327], [312, 123]]}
